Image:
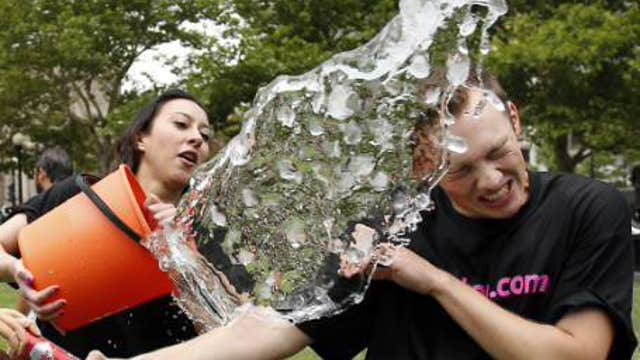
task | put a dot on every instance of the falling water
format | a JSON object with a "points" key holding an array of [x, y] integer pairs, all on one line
{"points": [[324, 169]]}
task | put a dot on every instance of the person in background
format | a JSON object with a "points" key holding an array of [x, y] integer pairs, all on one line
{"points": [[165, 143], [53, 165]]}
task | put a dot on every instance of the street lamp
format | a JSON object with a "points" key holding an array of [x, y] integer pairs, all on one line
{"points": [[21, 142]]}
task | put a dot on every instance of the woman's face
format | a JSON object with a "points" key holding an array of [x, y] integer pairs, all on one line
{"points": [[176, 142]]}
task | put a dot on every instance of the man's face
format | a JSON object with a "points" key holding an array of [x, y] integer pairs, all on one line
{"points": [[41, 180], [490, 180]]}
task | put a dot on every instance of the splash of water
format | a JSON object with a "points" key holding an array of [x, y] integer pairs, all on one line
{"points": [[324, 169]]}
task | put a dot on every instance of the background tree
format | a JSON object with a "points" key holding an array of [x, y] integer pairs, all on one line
{"points": [[572, 66], [266, 38], [64, 62], [574, 73]]}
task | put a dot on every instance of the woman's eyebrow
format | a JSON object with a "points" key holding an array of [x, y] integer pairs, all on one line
{"points": [[184, 114], [203, 125]]}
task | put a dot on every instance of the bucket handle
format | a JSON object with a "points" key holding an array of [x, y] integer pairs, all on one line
{"points": [[105, 210]]}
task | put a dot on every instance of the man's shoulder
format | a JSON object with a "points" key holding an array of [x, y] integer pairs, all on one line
{"points": [[578, 192], [573, 185]]}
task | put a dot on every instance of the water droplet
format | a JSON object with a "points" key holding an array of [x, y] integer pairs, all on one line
{"points": [[249, 197], [354, 255], [458, 66], [288, 172], [339, 101], [364, 238], [401, 201], [422, 201], [240, 149], [361, 165], [332, 149], [485, 46], [315, 127], [286, 116], [246, 257], [218, 217], [380, 181], [495, 101], [432, 97], [346, 183], [419, 67], [468, 25], [352, 133], [382, 132], [455, 144], [295, 232]]}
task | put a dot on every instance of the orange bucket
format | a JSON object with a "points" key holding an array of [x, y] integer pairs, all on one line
{"points": [[99, 268]]}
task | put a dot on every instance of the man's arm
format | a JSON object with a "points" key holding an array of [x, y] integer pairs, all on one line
{"points": [[9, 231], [586, 334], [250, 337]]}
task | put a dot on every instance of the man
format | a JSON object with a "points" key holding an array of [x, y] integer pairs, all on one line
{"points": [[511, 264], [53, 165]]}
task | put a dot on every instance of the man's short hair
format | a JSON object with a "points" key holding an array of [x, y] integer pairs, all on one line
{"points": [[56, 163], [480, 79]]}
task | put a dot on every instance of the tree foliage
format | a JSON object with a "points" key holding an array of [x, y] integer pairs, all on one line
{"points": [[266, 38], [571, 66], [574, 73], [64, 62]]}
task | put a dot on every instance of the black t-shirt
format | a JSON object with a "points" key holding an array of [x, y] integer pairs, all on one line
{"points": [[151, 326], [568, 248]]}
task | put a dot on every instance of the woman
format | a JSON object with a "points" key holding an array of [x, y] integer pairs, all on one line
{"points": [[168, 139]]}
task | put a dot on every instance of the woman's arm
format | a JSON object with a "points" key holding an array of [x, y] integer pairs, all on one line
{"points": [[12, 269]]}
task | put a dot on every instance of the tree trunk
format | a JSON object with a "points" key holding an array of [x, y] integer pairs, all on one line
{"points": [[564, 161]]}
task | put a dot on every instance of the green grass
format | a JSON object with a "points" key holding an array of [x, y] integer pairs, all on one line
{"points": [[9, 298]]}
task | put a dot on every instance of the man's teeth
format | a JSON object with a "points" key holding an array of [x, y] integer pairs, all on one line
{"points": [[499, 194]]}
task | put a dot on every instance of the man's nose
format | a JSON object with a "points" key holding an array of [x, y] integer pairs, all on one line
{"points": [[489, 177]]}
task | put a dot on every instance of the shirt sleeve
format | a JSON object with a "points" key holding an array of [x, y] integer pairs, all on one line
{"points": [[599, 270], [32, 208]]}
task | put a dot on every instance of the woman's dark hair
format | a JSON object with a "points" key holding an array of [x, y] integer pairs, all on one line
{"points": [[127, 149]]}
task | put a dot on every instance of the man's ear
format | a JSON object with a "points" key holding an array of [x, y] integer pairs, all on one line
{"points": [[514, 117]]}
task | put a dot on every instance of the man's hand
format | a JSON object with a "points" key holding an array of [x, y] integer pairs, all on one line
{"points": [[38, 301], [406, 269]]}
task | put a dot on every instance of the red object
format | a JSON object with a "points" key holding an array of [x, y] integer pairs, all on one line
{"points": [[100, 270], [39, 348]]}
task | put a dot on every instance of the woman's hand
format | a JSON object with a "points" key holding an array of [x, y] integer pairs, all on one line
{"points": [[38, 301], [13, 328], [163, 213]]}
